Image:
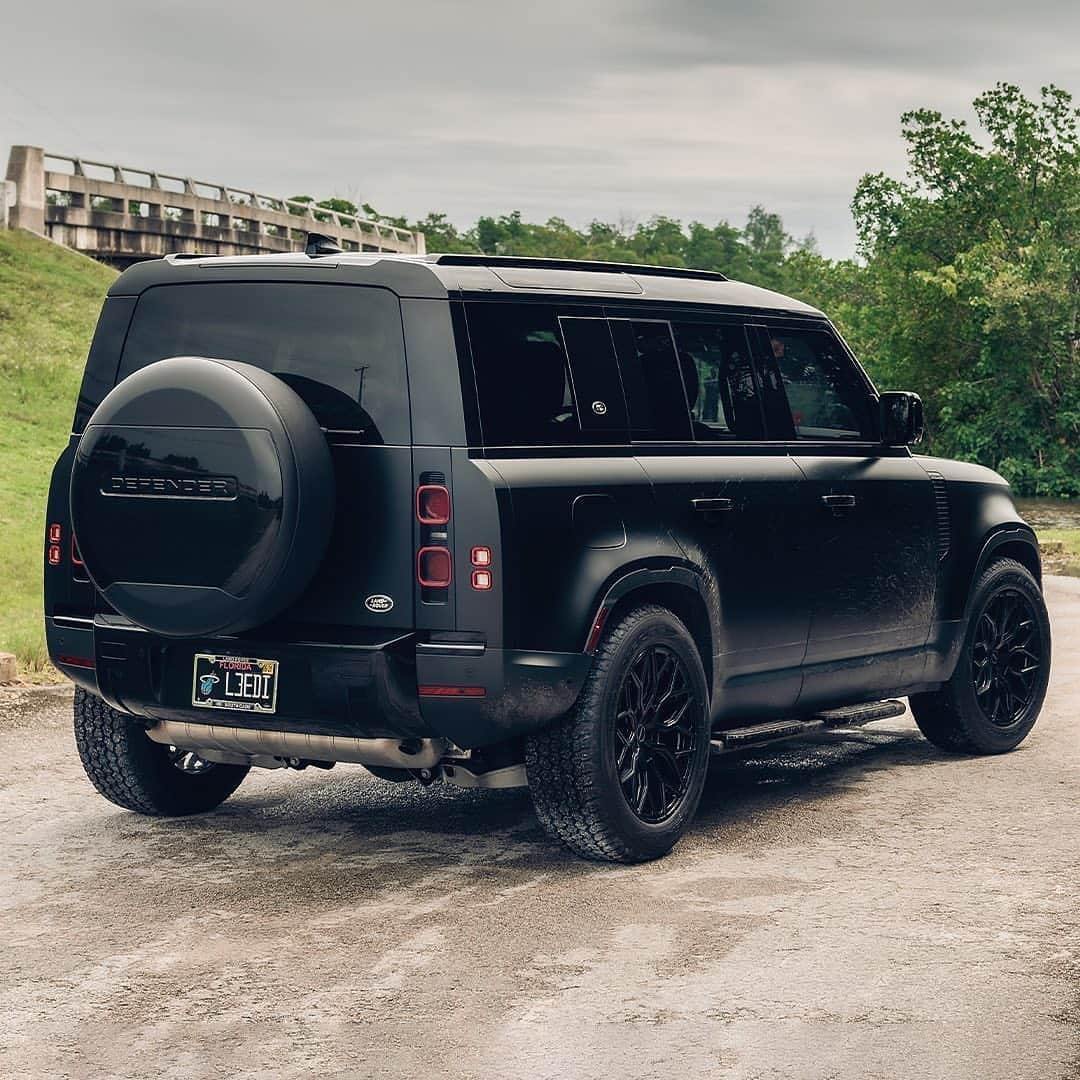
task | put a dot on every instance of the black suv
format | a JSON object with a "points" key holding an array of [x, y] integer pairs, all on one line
{"points": [[504, 521]]}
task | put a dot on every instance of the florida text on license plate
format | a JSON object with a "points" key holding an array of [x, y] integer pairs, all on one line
{"points": [[234, 682]]}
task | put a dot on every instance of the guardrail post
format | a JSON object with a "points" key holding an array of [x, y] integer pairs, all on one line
{"points": [[26, 167]]}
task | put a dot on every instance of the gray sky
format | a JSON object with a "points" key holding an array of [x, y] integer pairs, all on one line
{"points": [[592, 109]]}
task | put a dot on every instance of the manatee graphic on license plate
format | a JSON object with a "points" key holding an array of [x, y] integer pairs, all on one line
{"points": [[234, 682]]}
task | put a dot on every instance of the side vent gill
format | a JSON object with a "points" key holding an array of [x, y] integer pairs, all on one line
{"points": [[941, 505]]}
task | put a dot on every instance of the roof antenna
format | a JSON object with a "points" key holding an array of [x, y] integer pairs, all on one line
{"points": [[320, 244]]}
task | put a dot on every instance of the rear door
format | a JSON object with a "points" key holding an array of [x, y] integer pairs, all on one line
{"points": [[340, 347], [865, 515], [726, 493]]}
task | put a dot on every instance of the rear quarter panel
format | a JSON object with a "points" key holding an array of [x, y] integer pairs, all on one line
{"points": [[576, 523]]}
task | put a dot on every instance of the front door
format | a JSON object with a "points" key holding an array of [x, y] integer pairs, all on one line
{"points": [[868, 521], [726, 495]]}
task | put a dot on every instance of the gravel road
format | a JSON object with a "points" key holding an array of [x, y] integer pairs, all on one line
{"points": [[858, 906]]}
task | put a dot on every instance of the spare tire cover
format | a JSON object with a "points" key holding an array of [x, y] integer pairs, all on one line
{"points": [[202, 496]]}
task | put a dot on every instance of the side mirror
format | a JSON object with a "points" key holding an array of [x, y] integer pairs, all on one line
{"points": [[901, 418]]}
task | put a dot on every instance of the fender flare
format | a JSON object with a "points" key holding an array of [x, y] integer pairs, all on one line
{"points": [[685, 575], [998, 538]]}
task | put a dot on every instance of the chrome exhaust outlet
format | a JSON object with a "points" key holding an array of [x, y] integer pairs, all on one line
{"points": [[255, 744]]}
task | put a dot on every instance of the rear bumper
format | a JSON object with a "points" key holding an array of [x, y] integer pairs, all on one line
{"points": [[385, 686]]}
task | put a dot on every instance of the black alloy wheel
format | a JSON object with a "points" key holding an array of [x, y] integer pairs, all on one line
{"points": [[996, 690], [620, 776], [655, 733], [1006, 657]]}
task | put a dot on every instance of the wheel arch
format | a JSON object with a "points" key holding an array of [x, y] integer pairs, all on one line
{"points": [[677, 588], [1011, 542], [1024, 551]]}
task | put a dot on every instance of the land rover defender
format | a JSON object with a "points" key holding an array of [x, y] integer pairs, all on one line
{"points": [[506, 521]]}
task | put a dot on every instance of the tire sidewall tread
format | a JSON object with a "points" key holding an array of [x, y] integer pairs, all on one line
{"points": [[570, 764], [951, 717], [134, 772]]}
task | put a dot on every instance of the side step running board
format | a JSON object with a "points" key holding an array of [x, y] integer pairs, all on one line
{"points": [[849, 716]]}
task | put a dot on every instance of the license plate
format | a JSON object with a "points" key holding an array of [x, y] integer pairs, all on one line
{"points": [[234, 682]]}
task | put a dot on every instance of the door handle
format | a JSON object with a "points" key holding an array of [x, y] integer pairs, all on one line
{"points": [[839, 502], [708, 506]]}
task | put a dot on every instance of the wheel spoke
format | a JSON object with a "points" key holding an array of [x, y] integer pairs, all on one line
{"points": [[656, 742], [664, 760], [643, 791], [1006, 657]]}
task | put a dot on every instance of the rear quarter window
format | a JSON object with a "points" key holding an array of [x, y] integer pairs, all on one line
{"points": [[339, 347], [542, 379]]}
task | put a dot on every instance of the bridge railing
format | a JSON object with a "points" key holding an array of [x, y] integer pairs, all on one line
{"points": [[126, 213]]}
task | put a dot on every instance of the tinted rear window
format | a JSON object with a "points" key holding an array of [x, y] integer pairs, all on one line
{"points": [[338, 346], [531, 392]]}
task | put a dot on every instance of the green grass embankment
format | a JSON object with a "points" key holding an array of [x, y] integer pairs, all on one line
{"points": [[49, 302]]}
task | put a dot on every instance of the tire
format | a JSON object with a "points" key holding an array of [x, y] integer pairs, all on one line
{"points": [[573, 765], [991, 703], [133, 772]]}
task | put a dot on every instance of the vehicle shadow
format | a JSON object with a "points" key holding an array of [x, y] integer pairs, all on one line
{"points": [[352, 814], [824, 766]]}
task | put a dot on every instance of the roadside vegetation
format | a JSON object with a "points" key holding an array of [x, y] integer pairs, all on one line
{"points": [[966, 288], [1061, 551], [49, 303]]}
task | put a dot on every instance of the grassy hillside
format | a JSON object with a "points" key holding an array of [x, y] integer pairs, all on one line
{"points": [[49, 302]]}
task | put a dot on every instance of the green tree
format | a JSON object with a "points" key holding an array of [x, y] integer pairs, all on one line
{"points": [[767, 243], [972, 283]]}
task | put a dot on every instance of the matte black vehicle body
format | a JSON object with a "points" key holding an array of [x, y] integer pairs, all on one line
{"points": [[813, 568]]}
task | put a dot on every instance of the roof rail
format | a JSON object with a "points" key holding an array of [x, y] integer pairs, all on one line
{"points": [[576, 264]]}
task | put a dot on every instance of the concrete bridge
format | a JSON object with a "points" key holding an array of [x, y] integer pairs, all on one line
{"points": [[122, 215]]}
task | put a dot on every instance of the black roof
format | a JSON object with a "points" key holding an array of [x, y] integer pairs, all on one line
{"points": [[438, 276]]}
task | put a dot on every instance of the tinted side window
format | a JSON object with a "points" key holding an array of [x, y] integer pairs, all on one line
{"points": [[338, 346], [721, 384], [826, 397], [530, 392], [521, 376], [655, 398]]}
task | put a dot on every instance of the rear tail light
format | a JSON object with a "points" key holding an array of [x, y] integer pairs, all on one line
{"points": [[433, 567], [481, 579], [56, 533], [432, 504], [481, 556], [55, 555], [76, 556]]}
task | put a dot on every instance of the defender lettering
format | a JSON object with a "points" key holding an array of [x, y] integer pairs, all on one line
{"points": [[190, 487]]}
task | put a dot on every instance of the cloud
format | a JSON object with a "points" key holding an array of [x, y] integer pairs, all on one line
{"points": [[617, 107]]}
